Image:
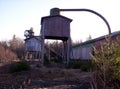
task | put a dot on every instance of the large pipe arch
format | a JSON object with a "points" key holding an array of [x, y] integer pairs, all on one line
{"points": [[56, 11]]}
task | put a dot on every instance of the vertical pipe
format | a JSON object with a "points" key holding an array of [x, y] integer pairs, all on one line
{"points": [[42, 44]]}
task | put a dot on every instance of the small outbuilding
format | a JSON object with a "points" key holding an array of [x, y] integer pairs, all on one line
{"points": [[32, 47]]}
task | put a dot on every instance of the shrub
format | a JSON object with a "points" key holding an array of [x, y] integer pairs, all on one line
{"points": [[20, 66], [76, 65], [107, 63], [58, 60], [83, 65], [46, 60], [62, 73], [49, 71]]}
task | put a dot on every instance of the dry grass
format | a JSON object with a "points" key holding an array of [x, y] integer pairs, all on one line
{"points": [[43, 77]]}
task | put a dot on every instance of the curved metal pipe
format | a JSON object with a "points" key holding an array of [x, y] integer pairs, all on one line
{"points": [[92, 11]]}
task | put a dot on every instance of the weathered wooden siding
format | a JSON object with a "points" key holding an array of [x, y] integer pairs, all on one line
{"points": [[32, 45], [56, 26]]}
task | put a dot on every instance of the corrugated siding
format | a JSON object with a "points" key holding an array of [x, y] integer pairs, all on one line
{"points": [[86, 53], [82, 52], [76, 53], [32, 45]]}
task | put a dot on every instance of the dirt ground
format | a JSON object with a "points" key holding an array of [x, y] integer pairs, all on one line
{"points": [[46, 77]]}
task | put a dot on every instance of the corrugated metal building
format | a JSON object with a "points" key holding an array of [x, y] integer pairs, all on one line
{"points": [[83, 50]]}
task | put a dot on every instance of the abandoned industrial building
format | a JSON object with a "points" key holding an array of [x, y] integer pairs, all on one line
{"points": [[84, 50], [81, 51]]}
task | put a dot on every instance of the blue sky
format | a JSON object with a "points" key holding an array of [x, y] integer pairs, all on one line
{"points": [[16, 16]]}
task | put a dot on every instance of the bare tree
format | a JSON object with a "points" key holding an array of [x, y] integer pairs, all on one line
{"points": [[6, 55], [89, 38], [17, 46]]}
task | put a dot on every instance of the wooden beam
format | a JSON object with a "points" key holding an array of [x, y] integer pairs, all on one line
{"points": [[42, 50], [68, 50]]}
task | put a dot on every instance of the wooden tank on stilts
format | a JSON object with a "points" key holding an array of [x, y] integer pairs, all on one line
{"points": [[56, 27]]}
